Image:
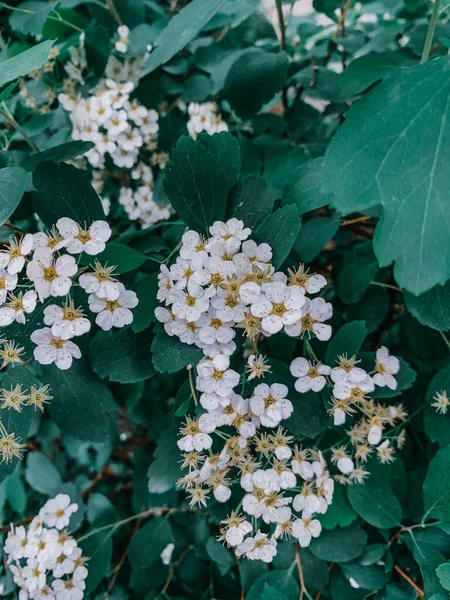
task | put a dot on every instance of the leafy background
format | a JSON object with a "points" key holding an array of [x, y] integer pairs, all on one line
{"points": [[337, 156]]}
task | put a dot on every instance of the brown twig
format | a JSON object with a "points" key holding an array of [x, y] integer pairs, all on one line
{"points": [[298, 560], [409, 580], [112, 9], [319, 593], [103, 471], [357, 220], [121, 561], [341, 22], [172, 569]]}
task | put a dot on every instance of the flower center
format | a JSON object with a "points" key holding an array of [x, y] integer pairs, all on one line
{"points": [[15, 252], [84, 236], [380, 367], [216, 323], [112, 305], [193, 429], [216, 279], [50, 274], [17, 304], [217, 375], [2, 283], [231, 301], [190, 300], [52, 242], [313, 372], [70, 314], [269, 401], [307, 322], [58, 344], [278, 309]]}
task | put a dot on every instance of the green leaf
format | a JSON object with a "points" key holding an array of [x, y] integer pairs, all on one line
{"points": [[250, 201], [31, 22], [83, 405], [41, 474], [123, 356], [314, 236], [57, 154], [151, 539], [437, 425], [123, 258], [98, 548], [165, 469], [405, 379], [270, 593], [371, 577], [226, 151], [219, 554], [12, 186], [170, 355], [348, 340], [429, 560], [432, 308], [376, 503], [254, 79], [363, 72], [182, 28], [280, 231], [196, 185], [64, 191], [436, 488], [402, 126], [25, 62], [303, 187], [340, 512], [443, 572], [6, 93], [339, 545], [144, 313], [358, 270]]}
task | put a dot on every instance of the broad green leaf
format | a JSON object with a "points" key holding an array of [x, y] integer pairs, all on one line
{"points": [[363, 72], [25, 62], [98, 548], [6, 93], [165, 469], [339, 545], [16, 492], [431, 308], [376, 503], [41, 474], [32, 19], [443, 572], [358, 270], [12, 186], [429, 560], [182, 28], [57, 154], [392, 150], [303, 187], [436, 489], [250, 201], [280, 579], [144, 313], [437, 425], [123, 356], [196, 185], [314, 236], [371, 577], [64, 191], [280, 231], [123, 258], [348, 340], [83, 405], [254, 79], [219, 554], [169, 354], [270, 593], [148, 543], [226, 151], [340, 512]]}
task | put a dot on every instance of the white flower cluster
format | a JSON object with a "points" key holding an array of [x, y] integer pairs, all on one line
{"points": [[52, 268], [45, 560], [139, 203], [215, 285], [117, 125], [205, 118]]}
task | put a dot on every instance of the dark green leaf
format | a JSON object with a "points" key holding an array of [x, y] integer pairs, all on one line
{"points": [[340, 545], [41, 474], [57, 154], [431, 308], [12, 186], [314, 236], [25, 62], [98, 548], [169, 354], [280, 231], [303, 187], [250, 201], [436, 489], [376, 503], [147, 545], [348, 340], [144, 313]]}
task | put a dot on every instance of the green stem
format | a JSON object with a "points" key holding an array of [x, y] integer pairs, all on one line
{"points": [[430, 32], [444, 337], [9, 117]]}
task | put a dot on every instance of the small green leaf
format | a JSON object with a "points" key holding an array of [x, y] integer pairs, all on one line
{"points": [[41, 474], [250, 201], [314, 236], [363, 72], [348, 340], [254, 79], [170, 355], [436, 488], [280, 231], [25, 62], [64, 191], [303, 187], [144, 313], [339, 545], [123, 258], [98, 548], [219, 554], [431, 308], [358, 270], [57, 154], [443, 572], [165, 469], [32, 19], [376, 503], [151, 539], [270, 593], [12, 186]]}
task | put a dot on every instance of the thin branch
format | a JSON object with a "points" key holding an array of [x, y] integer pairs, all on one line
{"points": [[112, 9], [298, 560], [409, 580], [357, 220], [6, 113], [386, 285], [341, 22], [444, 337], [192, 386], [282, 24], [430, 32], [172, 569]]}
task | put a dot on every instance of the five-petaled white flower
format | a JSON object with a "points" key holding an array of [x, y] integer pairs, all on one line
{"points": [[92, 240], [386, 366], [114, 313], [310, 376], [51, 349], [13, 257], [51, 277]]}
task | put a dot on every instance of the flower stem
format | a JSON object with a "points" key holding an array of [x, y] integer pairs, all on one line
{"points": [[430, 32]]}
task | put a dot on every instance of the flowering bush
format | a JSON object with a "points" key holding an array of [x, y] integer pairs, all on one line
{"points": [[224, 300]]}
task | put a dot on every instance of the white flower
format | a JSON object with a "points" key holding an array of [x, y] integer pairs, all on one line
{"points": [[386, 366], [310, 376], [270, 404], [194, 438], [315, 312], [69, 589], [374, 435], [58, 510], [305, 529], [51, 349], [13, 258], [278, 306], [51, 241], [92, 240], [51, 277], [252, 254], [18, 546], [441, 402], [114, 313], [214, 376], [8, 283], [17, 307], [34, 574], [261, 547], [345, 465], [66, 322], [213, 329], [354, 386], [47, 547], [233, 229], [166, 554], [189, 304], [44, 593], [100, 282], [237, 528]]}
